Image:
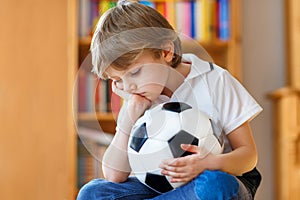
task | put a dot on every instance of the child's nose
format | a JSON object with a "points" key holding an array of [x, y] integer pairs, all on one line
{"points": [[131, 87]]}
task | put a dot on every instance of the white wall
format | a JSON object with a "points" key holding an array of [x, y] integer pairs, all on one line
{"points": [[263, 72]]}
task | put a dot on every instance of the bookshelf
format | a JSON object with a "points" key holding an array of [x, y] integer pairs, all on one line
{"points": [[225, 51], [37, 68]]}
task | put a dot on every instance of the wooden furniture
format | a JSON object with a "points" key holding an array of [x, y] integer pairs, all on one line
{"points": [[292, 9], [37, 67], [287, 113], [287, 143]]}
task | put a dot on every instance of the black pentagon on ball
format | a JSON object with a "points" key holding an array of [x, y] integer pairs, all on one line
{"points": [[182, 137], [139, 137], [176, 106], [158, 182]]}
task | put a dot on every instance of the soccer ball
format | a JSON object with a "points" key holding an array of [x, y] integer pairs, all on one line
{"points": [[157, 135]]}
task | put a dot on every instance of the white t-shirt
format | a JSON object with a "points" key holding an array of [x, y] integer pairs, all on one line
{"points": [[217, 93]]}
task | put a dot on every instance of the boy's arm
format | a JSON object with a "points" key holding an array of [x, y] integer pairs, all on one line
{"points": [[115, 163], [243, 158]]}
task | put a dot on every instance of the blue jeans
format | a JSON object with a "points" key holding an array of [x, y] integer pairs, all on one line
{"points": [[208, 185]]}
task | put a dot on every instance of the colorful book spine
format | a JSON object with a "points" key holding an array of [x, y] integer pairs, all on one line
{"points": [[197, 20], [193, 19], [161, 8], [103, 6], [170, 13], [187, 18], [224, 29], [212, 15], [90, 89], [204, 21], [84, 18], [81, 86], [183, 17], [148, 3]]}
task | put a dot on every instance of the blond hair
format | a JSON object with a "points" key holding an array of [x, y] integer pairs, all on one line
{"points": [[125, 31]]}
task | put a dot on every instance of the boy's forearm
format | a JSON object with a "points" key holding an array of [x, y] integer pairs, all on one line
{"points": [[236, 162], [115, 168], [115, 163], [243, 158]]}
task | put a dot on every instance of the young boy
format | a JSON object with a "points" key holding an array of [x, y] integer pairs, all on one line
{"points": [[136, 47]]}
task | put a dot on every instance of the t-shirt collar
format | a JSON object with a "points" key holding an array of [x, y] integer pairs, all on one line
{"points": [[198, 66]]}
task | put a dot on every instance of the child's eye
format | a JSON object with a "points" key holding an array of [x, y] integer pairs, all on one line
{"points": [[135, 71], [118, 81]]}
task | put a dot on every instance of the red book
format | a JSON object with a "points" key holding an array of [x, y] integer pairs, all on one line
{"points": [[115, 101], [81, 85]]}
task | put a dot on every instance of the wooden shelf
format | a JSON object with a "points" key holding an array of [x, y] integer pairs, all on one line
{"points": [[84, 41], [92, 116], [104, 121], [214, 44], [283, 92]]}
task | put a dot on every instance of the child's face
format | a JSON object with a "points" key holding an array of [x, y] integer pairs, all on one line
{"points": [[147, 76]]}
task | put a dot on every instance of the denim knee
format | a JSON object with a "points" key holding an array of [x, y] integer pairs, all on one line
{"points": [[87, 192], [216, 185]]}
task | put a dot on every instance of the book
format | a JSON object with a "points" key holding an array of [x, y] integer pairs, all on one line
{"points": [[204, 34], [197, 15], [84, 18], [224, 29], [183, 17], [170, 13], [161, 8], [81, 86], [148, 3], [212, 16]]}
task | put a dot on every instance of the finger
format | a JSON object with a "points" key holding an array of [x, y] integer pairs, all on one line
{"points": [[169, 168], [202, 152], [175, 162], [178, 180], [168, 161], [179, 177], [177, 173], [124, 95], [190, 148]]}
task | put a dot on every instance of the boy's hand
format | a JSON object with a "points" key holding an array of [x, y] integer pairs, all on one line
{"points": [[184, 169], [136, 106], [133, 108]]}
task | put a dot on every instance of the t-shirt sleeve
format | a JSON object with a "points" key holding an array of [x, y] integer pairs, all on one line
{"points": [[232, 101]]}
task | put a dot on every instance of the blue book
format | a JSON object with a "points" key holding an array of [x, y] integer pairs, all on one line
{"points": [[193, 19], [224, 29], [148, 3]]}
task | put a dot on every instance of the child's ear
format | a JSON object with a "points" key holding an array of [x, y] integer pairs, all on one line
{"points": [[168, 51]]}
